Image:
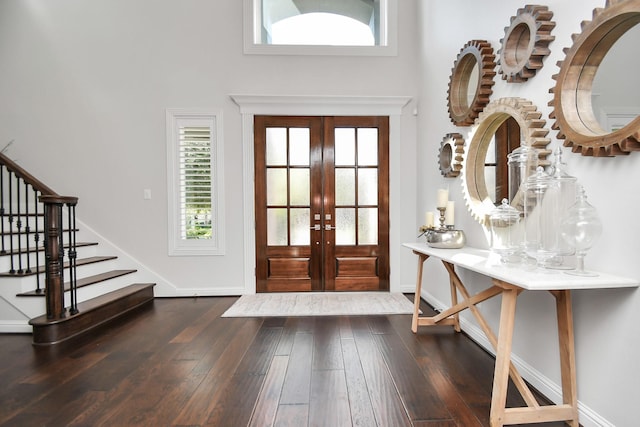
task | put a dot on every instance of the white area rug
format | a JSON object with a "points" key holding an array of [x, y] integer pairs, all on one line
{"points": [[319, 304]]}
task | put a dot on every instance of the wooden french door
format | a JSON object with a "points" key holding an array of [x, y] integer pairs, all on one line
{"points": [[322, 205]]}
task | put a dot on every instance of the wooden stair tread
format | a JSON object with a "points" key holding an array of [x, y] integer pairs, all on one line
{"points": [[85, 281], [92, 313], [40, 269]]}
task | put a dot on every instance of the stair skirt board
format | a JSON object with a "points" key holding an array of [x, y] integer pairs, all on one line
{"points": [[92, 313]]}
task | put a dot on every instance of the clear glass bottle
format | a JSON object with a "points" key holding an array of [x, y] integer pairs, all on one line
{"points": [[506, 234], [522, 163], [541, 201], [567, 188], [581, 227]]}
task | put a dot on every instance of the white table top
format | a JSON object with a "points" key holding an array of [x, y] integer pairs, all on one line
{"points": [[530, 278]]}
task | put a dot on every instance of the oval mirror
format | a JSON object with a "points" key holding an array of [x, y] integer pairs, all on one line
{"points": [[573, 106], [471, 82], [478, 197]]}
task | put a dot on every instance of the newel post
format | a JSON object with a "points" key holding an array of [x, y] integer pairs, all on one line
{"points": [[54, 253]]}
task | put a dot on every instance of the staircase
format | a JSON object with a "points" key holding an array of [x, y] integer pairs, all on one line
{"points": [[57, 286]]}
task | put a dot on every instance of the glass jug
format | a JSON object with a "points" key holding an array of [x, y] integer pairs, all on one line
{"points": [[506, 233], [541, 232], [522, 163]]}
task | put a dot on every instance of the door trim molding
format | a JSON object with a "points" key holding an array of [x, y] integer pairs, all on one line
{"points": [[317, 105]]}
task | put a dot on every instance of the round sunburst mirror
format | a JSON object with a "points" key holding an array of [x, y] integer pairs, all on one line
{"points": [[526, 43], [450, 155], [573, 108], [532, 134], [471, 82]]}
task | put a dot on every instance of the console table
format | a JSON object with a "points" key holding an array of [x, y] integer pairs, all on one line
{"points": [[509, 282]]}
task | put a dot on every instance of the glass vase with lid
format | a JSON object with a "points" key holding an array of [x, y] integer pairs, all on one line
{"points": [[522, 163], [506, 234], [581, 227], [567, 185], [541, 200]]}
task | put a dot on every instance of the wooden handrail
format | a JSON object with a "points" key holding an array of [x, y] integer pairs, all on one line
{"points": [[26, 176], [53, 231]]}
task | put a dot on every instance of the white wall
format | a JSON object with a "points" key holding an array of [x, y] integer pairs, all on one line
{"points": [[83, 90], [606, 322]]}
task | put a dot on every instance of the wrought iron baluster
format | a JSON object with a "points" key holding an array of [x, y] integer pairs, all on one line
{"points": [[12, 270], [60, 218], [19, 254], [36, 238], [27, 228], [73, 288]]}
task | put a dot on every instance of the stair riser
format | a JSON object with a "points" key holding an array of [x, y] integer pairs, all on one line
{"points": [[39, 258], [45, 333]]}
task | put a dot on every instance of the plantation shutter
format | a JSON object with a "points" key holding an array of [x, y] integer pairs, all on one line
{"points": [[195, 182]]}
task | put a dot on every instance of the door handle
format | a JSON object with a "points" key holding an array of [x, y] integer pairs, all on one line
{"points": [[316, 227], [328, 227]]}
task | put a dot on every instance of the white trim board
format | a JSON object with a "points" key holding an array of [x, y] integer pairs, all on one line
{"points": [[298, 105]]}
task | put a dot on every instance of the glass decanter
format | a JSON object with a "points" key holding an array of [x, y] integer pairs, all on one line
{"points": [[580, 228]]}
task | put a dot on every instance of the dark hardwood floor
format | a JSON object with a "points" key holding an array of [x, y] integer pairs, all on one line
{"points": [[178, 363]]}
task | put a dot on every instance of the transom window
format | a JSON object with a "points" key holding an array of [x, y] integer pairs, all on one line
{"points": [[309, 27]]}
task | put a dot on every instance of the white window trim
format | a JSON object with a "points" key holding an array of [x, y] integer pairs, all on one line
{"points": [[292, 105], [252, 46], [176, 245]]}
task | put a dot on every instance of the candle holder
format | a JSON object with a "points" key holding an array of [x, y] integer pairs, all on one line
{"points": [[442, 211]]}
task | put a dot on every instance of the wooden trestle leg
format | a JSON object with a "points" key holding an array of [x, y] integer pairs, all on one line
{"points": [[416, 299], [504, 368]]}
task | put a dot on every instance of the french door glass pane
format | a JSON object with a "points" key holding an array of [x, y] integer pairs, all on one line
{"points": [[345, 186], [300, 223], [277, 227], [367, 186], [490, 181], [491, 151], [345, 146], [276, 146], [276, 186], [367, 146], [345, 226], [299, 146], [367, 226], [300, 187]]}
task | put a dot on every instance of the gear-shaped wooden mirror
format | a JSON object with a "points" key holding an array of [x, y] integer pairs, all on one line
{"points": [[471, 82], [526, 43], [532, 134], [573, 106], [450, 155]]}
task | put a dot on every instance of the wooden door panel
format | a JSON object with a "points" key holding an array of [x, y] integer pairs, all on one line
{"points": [[289, 268], [339, 253], [357, 267]]}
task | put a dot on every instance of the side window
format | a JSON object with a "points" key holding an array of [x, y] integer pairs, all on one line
{"points": [[328, 27], [194, 187]]}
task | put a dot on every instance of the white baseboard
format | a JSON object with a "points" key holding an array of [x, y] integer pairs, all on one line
{"points": [[15, 327], [550, 389]]}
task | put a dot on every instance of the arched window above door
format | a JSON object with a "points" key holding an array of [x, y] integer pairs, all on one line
{"points": [[330, 27]]}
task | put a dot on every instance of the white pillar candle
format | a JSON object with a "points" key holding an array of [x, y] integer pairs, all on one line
{"points": [[449, 215], [428, 219], [443, 198]]}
